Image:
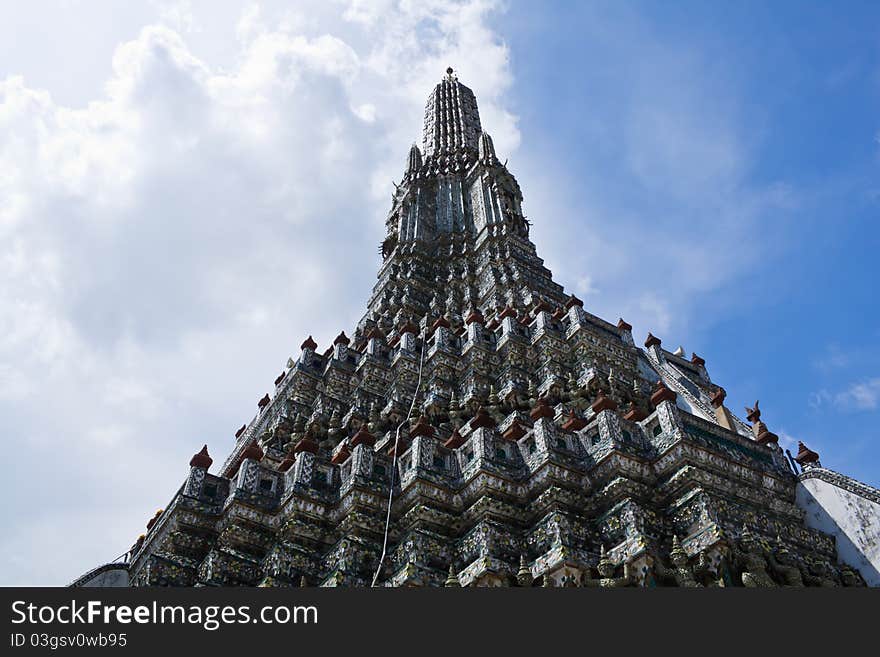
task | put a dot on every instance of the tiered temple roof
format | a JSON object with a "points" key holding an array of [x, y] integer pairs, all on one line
{"points": [[538, 444]]}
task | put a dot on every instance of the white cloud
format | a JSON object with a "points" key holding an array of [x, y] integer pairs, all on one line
{"points": [[167, 245], [863, 396]]}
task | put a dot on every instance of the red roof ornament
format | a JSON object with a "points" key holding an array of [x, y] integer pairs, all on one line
{"points": [[766, 436], [572, 302], [652, 340], [696, 360], [805, 454], [375, 333], [342, 338], [440, 321], [362, 437], [152, 521], [514, 432], [309, 344], [252, 451], [264, 401], [455, 440], [603, 403], [662, 394], [542, 307], [241, 430], [718, 398], [753, 415], [493, 324], [280, 378], [475, 316], [341, 455], [507, 312], [287, 463], [542, 409], [306, 444], [623, 325], [558, 314], [482, 419], [634, 413], [201, 459], [574, 422], [421, 428]]}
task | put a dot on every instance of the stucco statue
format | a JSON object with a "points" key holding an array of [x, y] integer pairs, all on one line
{"points": [[681, 572], [785, 566], [851, 577], [749, 556], [820, 573], [606, 570]]}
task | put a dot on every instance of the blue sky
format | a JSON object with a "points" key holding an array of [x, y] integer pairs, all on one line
{"points": [[188, 189]]}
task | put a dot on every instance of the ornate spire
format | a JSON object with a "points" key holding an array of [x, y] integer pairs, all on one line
{"points": [[413, 161], [452, 120]]}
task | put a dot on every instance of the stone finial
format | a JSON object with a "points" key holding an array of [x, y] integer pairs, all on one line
{"points": [[806, 456], [718, 398], [652, 340], [482, 419], [623, 325], [240, 430], [572, 302], [524, 574], [452, 579], [542, 409], [696, 360], [662, 393], [573, 422], [421, 428], [201, 459], [603, 403], [252, 451], [309, 344], [676, 547], [342, 338], [514, 432], [264, 401]]}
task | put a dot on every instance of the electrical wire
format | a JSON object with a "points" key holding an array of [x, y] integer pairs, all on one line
{"points": [[394, 463]]}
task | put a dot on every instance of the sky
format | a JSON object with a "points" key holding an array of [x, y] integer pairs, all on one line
{"points": [[189, 189]]}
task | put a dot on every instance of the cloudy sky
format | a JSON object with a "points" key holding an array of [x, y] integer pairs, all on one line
{"points": [[188, 189]]}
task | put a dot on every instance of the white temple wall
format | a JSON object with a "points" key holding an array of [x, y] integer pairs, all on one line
{"points": [[832, 504]]}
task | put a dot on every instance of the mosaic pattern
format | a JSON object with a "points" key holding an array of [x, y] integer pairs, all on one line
{"points": [[546, 448]]}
